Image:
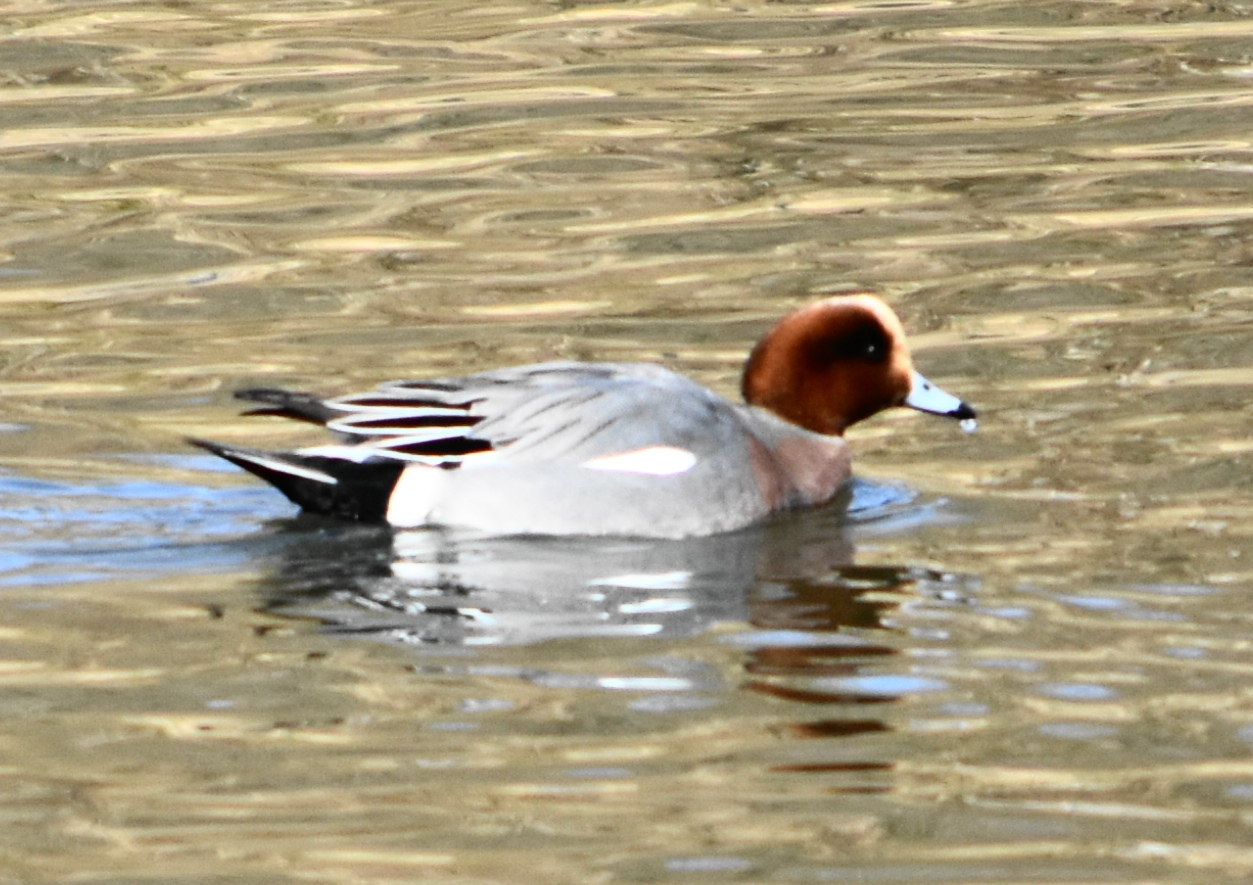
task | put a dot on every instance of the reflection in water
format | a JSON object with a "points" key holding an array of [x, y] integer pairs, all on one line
{"points": [[805, 616], [54, 532], [454, 587], [451, 588], [1056, 195]]}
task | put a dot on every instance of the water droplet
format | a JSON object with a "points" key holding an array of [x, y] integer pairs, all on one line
{"points": [[970, 425]]}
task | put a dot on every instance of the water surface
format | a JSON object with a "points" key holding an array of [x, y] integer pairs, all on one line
{"points": [[1015, 656]]}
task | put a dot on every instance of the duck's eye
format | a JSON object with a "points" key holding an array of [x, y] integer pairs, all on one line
{"points": [[868, 343]]}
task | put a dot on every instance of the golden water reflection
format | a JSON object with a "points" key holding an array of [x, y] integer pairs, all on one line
{"points": [[1034, 665]]}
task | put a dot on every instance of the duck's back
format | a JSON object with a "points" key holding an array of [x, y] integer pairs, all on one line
{"points": [[589, 448]]}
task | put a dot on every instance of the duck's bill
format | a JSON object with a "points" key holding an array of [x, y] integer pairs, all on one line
{"points": [[926, 397]]}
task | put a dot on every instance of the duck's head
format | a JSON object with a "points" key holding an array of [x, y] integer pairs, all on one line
{"points": [[830, 364]]}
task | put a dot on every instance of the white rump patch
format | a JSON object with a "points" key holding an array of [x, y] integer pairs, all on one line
{"points": [[415, 495], [652, 461]]}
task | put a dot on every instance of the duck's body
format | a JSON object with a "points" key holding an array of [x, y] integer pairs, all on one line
{"points": [[571, 448]]}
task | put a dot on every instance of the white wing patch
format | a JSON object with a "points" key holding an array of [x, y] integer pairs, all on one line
{"points": [[293, 469], [356, 454], [651, 461]]}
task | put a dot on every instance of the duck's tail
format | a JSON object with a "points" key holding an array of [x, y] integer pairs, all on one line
{"points": [[287, 404], [320, 483]]}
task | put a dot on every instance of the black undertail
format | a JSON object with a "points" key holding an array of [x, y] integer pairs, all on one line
{"points": [[318, 484]]}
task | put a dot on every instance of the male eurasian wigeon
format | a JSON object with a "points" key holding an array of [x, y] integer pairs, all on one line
{"points": [[631, 449]]}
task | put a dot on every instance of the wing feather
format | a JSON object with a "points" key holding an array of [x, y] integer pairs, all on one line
{"points": [[532, 413]]}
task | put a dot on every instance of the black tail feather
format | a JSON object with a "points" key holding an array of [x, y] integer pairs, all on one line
{"points": [[287, 404], [319, 484]]}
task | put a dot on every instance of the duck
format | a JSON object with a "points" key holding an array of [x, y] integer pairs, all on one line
{"points": [[605, 448]]}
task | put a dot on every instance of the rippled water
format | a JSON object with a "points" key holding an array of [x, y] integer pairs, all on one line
{"points": [[1016, 656]]}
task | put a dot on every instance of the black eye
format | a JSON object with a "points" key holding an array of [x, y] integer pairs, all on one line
{"points": [[866, 342]]}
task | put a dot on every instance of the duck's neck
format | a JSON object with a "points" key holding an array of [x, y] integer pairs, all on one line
{"points": [[793, 466]]}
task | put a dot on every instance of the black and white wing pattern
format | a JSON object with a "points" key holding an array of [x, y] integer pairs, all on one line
{"points": [[539, 411], [546, 411], [559, 417]]}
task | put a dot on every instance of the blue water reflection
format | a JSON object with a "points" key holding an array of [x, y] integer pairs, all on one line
{"points": [[62, 532]]}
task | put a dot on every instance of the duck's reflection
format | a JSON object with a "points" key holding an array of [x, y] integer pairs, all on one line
{"points": [[429, 586], [793, 583], [444, 586], [793, 576]]}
